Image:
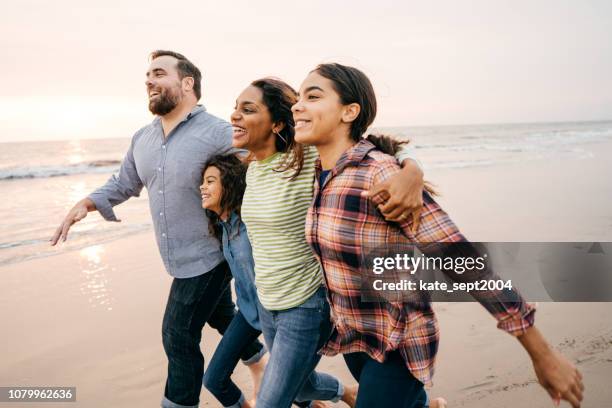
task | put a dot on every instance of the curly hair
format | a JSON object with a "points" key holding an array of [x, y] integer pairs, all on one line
{"points": [[233, 185]]}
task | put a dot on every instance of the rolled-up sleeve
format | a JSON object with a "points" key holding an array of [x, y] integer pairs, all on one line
{"points": [[120, 187], [515, 319]]}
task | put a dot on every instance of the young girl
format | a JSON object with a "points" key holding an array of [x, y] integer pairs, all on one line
{"points": [[389, 347], [222, 190]]}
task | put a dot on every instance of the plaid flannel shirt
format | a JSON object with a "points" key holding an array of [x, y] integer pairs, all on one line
{"points": [[341, 226]]}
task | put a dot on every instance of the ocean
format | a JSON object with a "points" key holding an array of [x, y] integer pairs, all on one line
{"points": [[40, 181]]}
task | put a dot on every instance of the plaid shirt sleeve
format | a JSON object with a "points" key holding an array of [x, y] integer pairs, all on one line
{"points": [[513, 314]]}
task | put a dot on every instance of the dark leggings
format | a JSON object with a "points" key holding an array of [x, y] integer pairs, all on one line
{"points": [[385, 385]]}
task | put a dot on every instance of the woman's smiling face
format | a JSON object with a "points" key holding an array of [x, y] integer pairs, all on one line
{"points": [[251, 120], [318, 112]]}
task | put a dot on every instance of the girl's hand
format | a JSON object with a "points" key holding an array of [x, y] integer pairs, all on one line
{"points": [[559, 377]]}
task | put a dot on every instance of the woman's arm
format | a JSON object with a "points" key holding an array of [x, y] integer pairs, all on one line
{"points": [[435, 236], [402, 192]]}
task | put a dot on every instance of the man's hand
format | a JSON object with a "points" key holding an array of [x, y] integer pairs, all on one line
{"points": [[76, 214], [559, 377], [403, 193]]}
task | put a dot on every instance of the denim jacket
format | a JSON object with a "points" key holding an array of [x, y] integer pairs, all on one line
{"points": [[238, 253]]}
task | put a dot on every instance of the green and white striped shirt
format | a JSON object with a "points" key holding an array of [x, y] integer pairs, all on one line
{"points": [[274, 210]]}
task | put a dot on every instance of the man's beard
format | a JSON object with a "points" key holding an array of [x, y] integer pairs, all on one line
{"points": [[164, 103]]}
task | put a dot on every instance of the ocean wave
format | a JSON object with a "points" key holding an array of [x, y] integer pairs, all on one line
{"points": [[39, 247], [577, 153], [460, 164], [528, 141], [96, 166]]}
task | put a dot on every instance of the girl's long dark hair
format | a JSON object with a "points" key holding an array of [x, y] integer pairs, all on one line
{"points": [[233, 185], [353, 86], [279, 97]]}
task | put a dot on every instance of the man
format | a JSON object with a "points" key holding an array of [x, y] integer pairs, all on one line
{"points": [[167, 157]]}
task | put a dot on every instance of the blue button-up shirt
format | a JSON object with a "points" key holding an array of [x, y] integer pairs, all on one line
{"points": [[239, 255], [171, 169]]}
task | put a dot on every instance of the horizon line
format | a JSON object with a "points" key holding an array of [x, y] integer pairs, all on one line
{"points": [[374, 127]]}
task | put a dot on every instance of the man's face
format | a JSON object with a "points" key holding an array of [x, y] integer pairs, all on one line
{"points": [[164, 86]]}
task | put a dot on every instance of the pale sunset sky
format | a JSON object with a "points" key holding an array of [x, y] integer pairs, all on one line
{"points": [[75, 69]]}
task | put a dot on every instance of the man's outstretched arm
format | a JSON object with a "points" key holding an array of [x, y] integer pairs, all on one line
{"points": [[120, 187]]}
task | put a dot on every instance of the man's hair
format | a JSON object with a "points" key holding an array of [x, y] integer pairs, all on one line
{"points": [[185, 68]]}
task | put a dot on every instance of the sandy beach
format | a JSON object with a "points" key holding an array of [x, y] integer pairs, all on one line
{"points": [[507, 106], [91, 317]]}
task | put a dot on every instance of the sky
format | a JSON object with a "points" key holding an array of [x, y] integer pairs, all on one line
{"points": [[75, 69]]}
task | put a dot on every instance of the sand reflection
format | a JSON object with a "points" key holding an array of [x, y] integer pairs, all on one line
{"points": [[95, 284]]}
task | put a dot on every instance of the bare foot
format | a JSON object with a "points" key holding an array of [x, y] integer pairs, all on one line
{"points": [[319, 404], [437, 403], [257, 371], [350, 395]]}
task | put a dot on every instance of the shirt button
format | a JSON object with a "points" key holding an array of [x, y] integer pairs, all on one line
{"points": [[163, 146], [159, 169], [163, 234], [161, 213], [160, 192]]}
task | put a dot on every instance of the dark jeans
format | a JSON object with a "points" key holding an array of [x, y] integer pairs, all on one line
{"points": [[385, 385], [193, 302], [239, 336]]}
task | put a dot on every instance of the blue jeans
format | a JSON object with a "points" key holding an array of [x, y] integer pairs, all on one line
{"points": [[388, 384], [238, 337], [293, 337], [193, 302]]}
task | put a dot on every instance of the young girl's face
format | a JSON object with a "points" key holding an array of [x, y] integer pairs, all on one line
{"points": [[318, 112], [211, 190]]}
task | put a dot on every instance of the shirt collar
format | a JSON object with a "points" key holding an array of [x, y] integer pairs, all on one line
{"points": [[232, 220], [196, 111], [351, 157]]}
